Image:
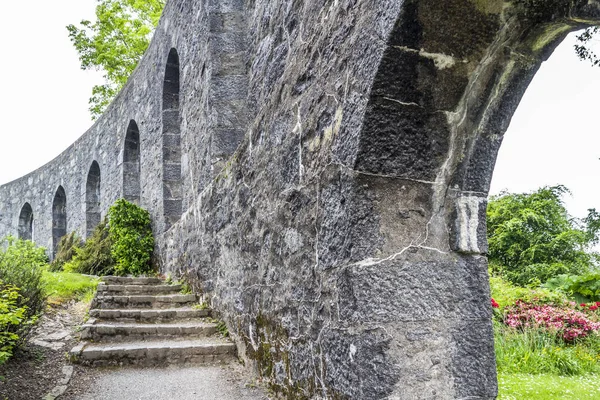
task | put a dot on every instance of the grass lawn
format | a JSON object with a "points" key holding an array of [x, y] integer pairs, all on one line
{"points": [[64, 286], [548, 387]]}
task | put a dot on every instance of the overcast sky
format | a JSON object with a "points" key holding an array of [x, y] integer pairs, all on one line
{"points": [[44, 96], [554, 137]]}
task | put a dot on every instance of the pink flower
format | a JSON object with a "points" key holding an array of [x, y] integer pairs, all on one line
{"points": [[564, 320]]}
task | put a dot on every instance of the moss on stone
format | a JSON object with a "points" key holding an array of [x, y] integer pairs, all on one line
{"points": [[550, 34]]}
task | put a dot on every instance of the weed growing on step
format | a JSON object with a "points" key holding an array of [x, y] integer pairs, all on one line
{"points": [[185, 288], [201, 306], [221, 327]]}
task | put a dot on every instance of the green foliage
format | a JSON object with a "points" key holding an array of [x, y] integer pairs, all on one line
{"points": [[21, 265], [132, 240], [94, 257], [547, 387], [506, 294], [66, 250], [583, 288], [532, 238], [583, 51], [114, 43], [64, 286], [12, 317]]}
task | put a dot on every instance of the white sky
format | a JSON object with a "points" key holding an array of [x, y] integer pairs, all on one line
{"points": [[44, 95], [554, 136]]}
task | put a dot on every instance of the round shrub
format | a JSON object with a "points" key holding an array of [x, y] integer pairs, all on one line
{"points": [[132, 241]]}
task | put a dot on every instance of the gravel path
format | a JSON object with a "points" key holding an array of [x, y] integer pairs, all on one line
{"points": [[172, 383]]}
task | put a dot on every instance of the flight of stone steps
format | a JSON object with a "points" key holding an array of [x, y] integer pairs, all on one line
{"points": [[145, 321]]}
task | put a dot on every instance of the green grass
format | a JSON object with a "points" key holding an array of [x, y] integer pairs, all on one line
{"points": [[548, 387], [534, 352], [65, 286]]}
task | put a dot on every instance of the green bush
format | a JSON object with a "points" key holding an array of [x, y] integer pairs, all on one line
{"points": [[583, 288], [66, 250], [132, 241], [12, 319], [94, 257], [21, 265]]}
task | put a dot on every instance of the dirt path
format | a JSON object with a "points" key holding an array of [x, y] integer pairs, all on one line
{"points": [[35, 371]]}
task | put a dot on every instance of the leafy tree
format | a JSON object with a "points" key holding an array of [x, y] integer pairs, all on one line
{"points": [[582, 48], [115, 43], [532, 238]]}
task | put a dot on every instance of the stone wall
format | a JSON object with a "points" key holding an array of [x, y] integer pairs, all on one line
{"points": [[323, 175]]}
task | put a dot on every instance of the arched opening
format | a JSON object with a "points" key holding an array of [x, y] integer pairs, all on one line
{"points": [[26, 222], [449, 80], [131, 164], [59, 218], [92, 199], [172, 188]]}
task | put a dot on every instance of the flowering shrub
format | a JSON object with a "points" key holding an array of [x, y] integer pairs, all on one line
{"points": [[568, 321], [495, 304]]}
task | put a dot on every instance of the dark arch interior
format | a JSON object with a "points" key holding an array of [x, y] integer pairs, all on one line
{"points": [[26, 222], [172, 188], [59, 218], [92, 199], [131, 164]]}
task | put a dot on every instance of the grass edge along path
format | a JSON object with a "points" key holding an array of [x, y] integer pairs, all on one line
{"points": [[65, 286], [548, 387]]}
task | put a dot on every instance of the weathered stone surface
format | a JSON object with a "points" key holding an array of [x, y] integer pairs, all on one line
{"points": [[323, 174]]}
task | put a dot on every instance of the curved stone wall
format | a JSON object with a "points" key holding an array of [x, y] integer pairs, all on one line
{"points": [[206, 41], [320, 171]]}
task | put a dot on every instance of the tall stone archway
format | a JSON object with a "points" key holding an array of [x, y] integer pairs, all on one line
{"points": [[450, 78], [171, 142], [92, 199], [59, 218], [131, 164], [26, 222]]}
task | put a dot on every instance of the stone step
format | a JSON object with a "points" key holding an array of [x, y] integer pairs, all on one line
{"points": [[166, 314], [130, 280], [104, 289], [107, 331], [143, 301], [199, 351]]}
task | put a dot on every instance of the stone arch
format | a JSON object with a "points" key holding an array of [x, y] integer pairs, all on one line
{"points": [[171, 139], [92, 199], [59, 218], [450, 77], [26, 222], [131, 164]]}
